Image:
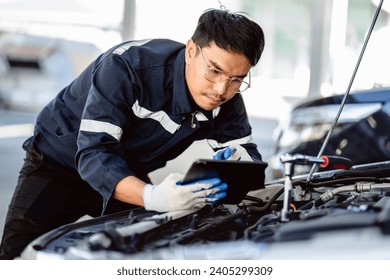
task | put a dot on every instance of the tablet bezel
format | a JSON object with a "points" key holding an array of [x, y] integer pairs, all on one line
{"points": [[241, 176]]}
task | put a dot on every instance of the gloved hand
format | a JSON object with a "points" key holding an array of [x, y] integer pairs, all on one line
{"points": [[169, 195], [232, 152]]}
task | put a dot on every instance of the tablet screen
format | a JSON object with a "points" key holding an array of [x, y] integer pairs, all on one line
{"points": [[241, 176]]}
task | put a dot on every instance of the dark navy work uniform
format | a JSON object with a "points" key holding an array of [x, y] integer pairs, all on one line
{"points": [[128, 113]]}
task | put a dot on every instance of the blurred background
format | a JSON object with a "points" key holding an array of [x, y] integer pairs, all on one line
{"points": [[311, 50]]}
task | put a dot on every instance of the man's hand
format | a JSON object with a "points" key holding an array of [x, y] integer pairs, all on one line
{"points": [[232, 152], [170, 195]]}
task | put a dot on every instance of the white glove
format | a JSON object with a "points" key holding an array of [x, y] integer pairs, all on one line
{"points": [[169, 195], [232, 152]]}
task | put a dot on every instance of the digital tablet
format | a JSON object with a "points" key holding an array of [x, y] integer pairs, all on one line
{"points": [[241, 176]]}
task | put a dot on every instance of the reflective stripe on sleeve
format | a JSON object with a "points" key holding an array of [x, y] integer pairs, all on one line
{"points": [[216, 145], [99, 126], [160, 116]]}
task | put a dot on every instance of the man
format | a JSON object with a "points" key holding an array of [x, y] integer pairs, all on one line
{"points": [[135, 107]]}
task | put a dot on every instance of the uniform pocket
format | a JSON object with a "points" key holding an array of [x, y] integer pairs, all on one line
{"points": [[146, 127], [68, 139]]}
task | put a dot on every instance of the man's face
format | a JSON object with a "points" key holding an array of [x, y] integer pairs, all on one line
{"points": [[213, 75]]}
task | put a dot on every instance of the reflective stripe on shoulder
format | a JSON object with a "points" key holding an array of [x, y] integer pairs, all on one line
{"points": [[216, 145], [160, 116], [99, 126], [122, 48]]}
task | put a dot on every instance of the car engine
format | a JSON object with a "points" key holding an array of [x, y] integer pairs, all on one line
{"points": [[343, 213]]}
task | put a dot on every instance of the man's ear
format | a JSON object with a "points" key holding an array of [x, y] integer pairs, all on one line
{"points": [[190, 51]]}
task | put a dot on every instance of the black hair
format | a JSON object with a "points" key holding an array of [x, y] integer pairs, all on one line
{"points": [[230, 31]]}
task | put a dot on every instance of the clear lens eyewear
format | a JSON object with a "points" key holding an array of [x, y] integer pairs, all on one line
{"points": [[214, 75]]}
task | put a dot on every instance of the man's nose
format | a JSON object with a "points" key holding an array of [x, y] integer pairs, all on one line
{"points": [[221, 87]]}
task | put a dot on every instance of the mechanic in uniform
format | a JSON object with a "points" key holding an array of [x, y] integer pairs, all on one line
{"points": [[137, 106]]}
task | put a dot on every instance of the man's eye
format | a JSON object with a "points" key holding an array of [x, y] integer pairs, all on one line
{"points": [[236, 81], [215, 71]]}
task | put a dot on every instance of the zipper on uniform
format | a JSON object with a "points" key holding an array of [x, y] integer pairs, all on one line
{"points": [[193, 124]]}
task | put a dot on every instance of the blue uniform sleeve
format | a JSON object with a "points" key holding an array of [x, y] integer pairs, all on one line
{"points": [[106, 114]]}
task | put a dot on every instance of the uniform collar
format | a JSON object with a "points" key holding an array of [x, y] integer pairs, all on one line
{"points": [[182, 101]]}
